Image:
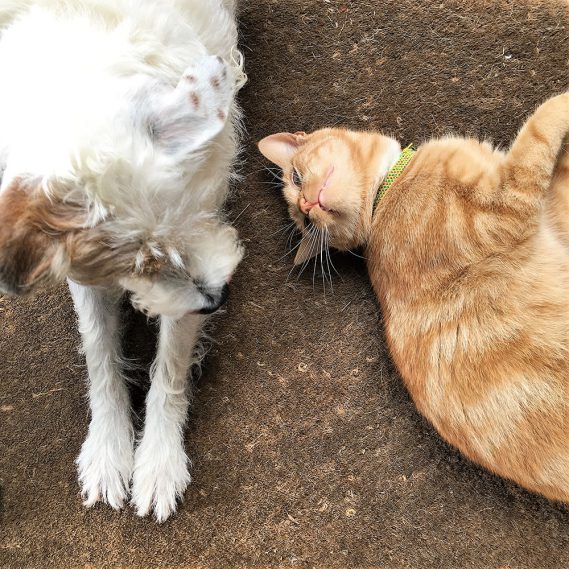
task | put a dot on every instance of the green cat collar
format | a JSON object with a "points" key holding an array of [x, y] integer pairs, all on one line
{"points": [[393, 174]]}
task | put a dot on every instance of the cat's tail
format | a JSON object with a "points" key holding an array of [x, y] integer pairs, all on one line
{"points": [[531, 161]]}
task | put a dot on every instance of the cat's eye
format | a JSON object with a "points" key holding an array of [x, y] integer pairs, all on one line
{"points": [[296, 178]]}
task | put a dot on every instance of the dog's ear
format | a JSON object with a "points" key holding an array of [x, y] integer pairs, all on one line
{"points": [[32, 232], [43, 240]]}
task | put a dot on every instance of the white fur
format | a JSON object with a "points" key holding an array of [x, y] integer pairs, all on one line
{"points": [[98, 102], [106, 460], [161, 465]]}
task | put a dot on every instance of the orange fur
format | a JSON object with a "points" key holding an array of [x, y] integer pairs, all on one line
{"points": [[468, 253]]}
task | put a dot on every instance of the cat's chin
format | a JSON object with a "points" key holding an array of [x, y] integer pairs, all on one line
{"points": [[322, 218]]}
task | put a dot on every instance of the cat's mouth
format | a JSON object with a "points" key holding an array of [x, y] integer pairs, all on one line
{"points": [[321, 202], [306, 206], [320, 215], [317, 219], [318, 210]]}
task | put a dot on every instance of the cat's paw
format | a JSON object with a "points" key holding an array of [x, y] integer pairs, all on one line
{"points": [[105, 466], [160, 479]]}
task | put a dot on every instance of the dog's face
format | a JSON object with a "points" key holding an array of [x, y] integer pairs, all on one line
{"points": [[197, 284], [141, 206], [43, 241]]}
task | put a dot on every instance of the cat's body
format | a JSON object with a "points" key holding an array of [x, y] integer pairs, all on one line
{"points": [[475, 298], [468, 253]]}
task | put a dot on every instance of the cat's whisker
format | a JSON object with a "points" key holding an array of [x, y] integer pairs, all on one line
{"points": [[291, 251], [242, 212], [356, 255], [271, 169], [307, 235], [328, 260], [312, 245], [253, 172], [312, 241], [326, 256], [322, 236], [317, 241], [292, 232], [276, 185], [282, 229], [290, 273], [314, 273], [275, 173]]}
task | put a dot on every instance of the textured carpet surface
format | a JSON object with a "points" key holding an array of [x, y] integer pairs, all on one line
{"points": [[306, 449]]}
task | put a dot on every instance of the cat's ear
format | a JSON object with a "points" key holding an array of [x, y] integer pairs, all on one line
{"points": [[307, 249], [281, 147]]}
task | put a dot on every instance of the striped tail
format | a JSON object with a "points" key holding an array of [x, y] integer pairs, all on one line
{"points": [[531, 162]]}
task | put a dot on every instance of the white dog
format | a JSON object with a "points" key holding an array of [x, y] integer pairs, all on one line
{"points": [[118, 130]]}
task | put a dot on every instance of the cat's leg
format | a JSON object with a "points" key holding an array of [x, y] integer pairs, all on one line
{"points": [[533, 156], [558, 202], [106, 458], [526, 176], [161, 465]]}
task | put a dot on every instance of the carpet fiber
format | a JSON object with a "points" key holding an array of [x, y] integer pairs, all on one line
{"points": [[306, 449]]}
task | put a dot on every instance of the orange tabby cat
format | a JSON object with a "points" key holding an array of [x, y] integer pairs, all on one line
{"points": [[468, 252]]}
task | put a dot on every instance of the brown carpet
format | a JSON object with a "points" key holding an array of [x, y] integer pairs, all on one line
{"points": [[307, 450]]}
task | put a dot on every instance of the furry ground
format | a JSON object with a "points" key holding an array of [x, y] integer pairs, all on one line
{"points": [[307, 450]]}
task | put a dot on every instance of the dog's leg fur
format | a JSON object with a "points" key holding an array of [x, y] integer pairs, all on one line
{"points": [[106, 458], [161, 464]]}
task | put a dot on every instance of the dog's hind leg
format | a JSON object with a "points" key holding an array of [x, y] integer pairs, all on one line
{"points": [[188, 117], [161, 465], [106, 458]]}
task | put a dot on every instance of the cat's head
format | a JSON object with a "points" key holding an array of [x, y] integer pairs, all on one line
{"points": [[329, 182]]}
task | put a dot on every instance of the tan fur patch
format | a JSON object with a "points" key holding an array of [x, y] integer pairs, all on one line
{"points": [[43, 240], [31, 229]]}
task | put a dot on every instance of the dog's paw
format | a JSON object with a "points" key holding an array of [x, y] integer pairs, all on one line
{"points": [[208, 88], [160, 478], [105, 467], [141, 304], [193, 113]]}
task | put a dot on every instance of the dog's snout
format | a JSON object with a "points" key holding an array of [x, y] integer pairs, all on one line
{"points": [[215, 302]]}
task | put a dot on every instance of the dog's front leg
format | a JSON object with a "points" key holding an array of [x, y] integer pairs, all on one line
{"points": [[161, 465], [106, 458]]}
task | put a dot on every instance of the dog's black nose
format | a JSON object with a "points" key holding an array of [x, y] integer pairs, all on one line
{"points": [[215, 301]]}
